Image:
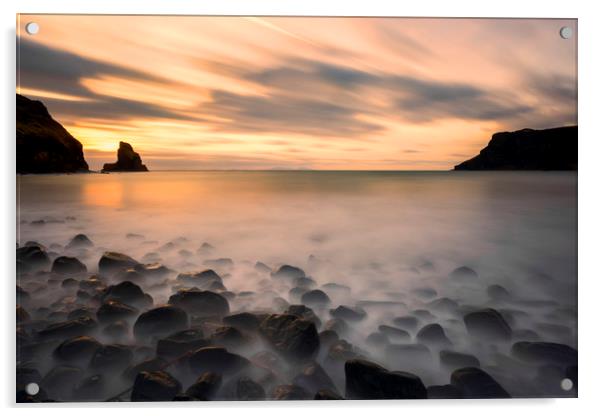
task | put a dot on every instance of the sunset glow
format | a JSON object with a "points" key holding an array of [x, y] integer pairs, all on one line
{"points": [[297, 93]]}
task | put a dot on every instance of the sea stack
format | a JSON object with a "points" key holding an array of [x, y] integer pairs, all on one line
{"points": [[43, 144], [127, 161], [527, 149]]}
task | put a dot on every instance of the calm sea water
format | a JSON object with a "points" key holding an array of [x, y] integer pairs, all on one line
{"points": [[384, 234]]}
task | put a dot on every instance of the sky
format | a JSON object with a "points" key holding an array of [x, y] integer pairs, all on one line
{"points": [[297, 93]]}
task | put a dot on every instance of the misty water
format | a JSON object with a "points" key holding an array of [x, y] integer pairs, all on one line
{"points": [[392, 238]]}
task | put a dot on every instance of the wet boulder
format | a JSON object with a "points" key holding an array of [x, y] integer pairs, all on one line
{"points": [[315, 298], [149, 365], [181, 342], [218, 360], [288, 272], [464, 275], [129, 293], [304, 312], [113, 357], [229, 337], [313, 378], [22, 314], [304, 282], [337, 325], [394, 334], [290, 392], [406, 322], [60, 381], [113, 310], [545, 353], [77, 350], [454, 360], [79, 241], [201, 303], [348, 313], [294, 338], [160, 321], [433, 334], [245, 321], [246, 389], [488, 324], [475, 383], [68, 265], [498, 292], [341, 350], [205, 387], [446, 391], [369, 381], [33, 257], [118, 330], [153, 270], [327, 395], [90, 388], [155, 386], [201, 280], [112, 262], [67, 329]]}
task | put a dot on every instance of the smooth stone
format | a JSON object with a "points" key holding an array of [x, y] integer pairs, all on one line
{"points": [[294, 338], [304, 312], [155, 386], [68, 265], [148, 365], [205, 387], [33, 256], [446, 391], [433, 334], [406, 322], [475, 383], [112, 357], [262, 267], [67, 329], [245, 321], [218, 360], [201, 303], [394, 334], [290, 392], [160, 321], [129, 293], [498, 292], [77, 350], [464, 274], [179, 343], [202, 279], [229, 337], [288, 272], [223, 262], [327, 395], [488, 324], [79, 241], [545, 353], [60, 381], [90, 389], [112, 262], [113, 310], [369, 381], [454, 360], [316, 298], [348, 313], [313, 378]]}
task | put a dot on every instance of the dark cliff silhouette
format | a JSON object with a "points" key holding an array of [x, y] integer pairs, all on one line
{"points": [[527, 149], [43, 144], [127, 160]]}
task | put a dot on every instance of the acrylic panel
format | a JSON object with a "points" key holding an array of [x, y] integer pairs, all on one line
{"points": [[295, 208]]}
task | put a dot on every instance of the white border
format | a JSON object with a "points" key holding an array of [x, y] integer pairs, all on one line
{"points": [[590, 152]]}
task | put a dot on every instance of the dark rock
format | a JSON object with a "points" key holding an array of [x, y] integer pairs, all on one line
{"points": [[348, 313], [79, 241], [545, 353], [406, 322], [409, 353], [527, 149], [464, 274], [229, 337], [116, 330], [245, 321], [202, 280], [112, 357], [43, 145], [68, 265], [327, 395], [288, 272], [127, 160], [202, 303], [328, 337], [22, 315], [369, 381], [262, 268], [445, 305], [377, 339], [247, 389], [205, 387], [294, 338], [446, 391], [152, 270], [425, 292], [424, 314], [304, 282], [341, 350], [394, 334], [77, 350], [112, 262], [336, 288], [90, 388], [433, 334], [60, 381], [155, 386], [315, 298], [67, 329], [218, 360], [488, 324], [160, 321], [498, 292], [304, 312], [290, 392], [313, 378], [454, 360], [181, 342], [34, 257], [113, 310], [337, 325], [149, 365], [129, 293], [475, 383], [223, 262]]}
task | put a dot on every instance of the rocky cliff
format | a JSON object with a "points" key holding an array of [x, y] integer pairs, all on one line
{"points": [[127, 160], [527, 149], [43, 144]]}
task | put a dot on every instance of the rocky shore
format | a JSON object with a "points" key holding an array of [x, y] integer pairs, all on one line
{"points": [[98, 325]]}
